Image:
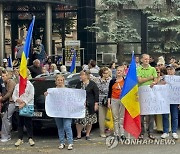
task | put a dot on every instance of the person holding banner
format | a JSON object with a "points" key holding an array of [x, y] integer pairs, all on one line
{"points": [[161, 72], [174, 114], [63, 124], [115, 88], [92, 99], [147, 75]]}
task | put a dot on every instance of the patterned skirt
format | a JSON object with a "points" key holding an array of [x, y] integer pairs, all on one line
{"points": [[88, 120]]}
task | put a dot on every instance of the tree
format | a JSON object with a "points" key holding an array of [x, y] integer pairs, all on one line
{"points": [[113, 24], [166, 15], [63, 27]]}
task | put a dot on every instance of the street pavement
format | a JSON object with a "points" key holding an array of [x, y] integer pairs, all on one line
{"points": [[47, 143]]}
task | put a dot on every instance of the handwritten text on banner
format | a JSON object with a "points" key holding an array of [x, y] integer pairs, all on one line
{"points": [[154, 100], [65, 103], [173, 81]]}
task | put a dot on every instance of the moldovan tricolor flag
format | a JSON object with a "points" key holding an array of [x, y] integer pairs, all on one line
{"points": [[73, 65], [129, 98], [24, 58]]}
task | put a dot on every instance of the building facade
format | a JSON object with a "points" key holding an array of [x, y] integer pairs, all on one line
{"points": [[56, 22], [60, 20]]}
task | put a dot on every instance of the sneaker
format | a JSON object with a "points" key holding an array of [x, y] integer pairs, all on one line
{"points": [[164, 135], [18, 143], [70, 146], [5, 140], [175, 136], [103, 135], [61, 146], [141, 137], [31, 142]]}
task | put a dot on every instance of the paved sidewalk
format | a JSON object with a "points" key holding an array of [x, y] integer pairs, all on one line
{"points": [[47, 143]]}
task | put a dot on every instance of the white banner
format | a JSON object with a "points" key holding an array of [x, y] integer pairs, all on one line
{"points": [[65, 103], [154, 100], [173, 82]]}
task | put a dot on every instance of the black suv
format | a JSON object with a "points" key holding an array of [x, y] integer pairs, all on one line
{"points": [[41, 84]]}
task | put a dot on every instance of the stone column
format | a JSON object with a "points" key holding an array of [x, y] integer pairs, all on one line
{"points": [[2, 42], [48, 29]]}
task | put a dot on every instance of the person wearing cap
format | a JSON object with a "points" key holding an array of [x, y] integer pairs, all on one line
{"points": [[39, 51], [174, 114], [5, 63], [161, 62], [147, 75]]}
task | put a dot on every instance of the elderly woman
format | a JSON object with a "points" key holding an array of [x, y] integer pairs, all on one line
{"points": [[92, 99], [53, 69], [63, 69], [103, 85]]}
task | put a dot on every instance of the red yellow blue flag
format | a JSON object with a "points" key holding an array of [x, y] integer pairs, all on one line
{"points": [[24, 59], [129, 98]]}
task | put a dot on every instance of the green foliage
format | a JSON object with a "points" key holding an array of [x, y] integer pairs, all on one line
{"points": [[64, 26], [112, 24], [166, 14], [115, 3]]}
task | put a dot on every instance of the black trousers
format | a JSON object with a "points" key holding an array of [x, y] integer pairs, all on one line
{"points": [[27, 122]]}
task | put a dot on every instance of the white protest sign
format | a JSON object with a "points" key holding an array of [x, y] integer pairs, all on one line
{"points": [[154, 100], [172, 79], [173, 82], [65, 103]]}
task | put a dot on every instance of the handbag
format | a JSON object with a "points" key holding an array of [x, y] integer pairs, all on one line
{"points": [[109, 120], [105, 101], [27, 111]]}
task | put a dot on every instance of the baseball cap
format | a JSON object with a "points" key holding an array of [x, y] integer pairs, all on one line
{"points": [[4, 60], [170, 66]]}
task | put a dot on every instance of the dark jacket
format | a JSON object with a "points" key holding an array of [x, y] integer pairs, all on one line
{"points": [[40, 52], [112, 82], [92, 95], [2, 86], [110, 87], [35, 71]]}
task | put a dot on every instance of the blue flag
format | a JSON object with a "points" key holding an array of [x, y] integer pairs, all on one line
{"points": [[10, 62], [73, 65]]}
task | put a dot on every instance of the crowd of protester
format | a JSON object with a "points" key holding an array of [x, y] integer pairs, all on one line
{"points": [[103, 92]]}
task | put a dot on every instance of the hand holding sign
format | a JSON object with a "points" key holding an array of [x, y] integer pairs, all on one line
{"points": [[65, 103]]}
